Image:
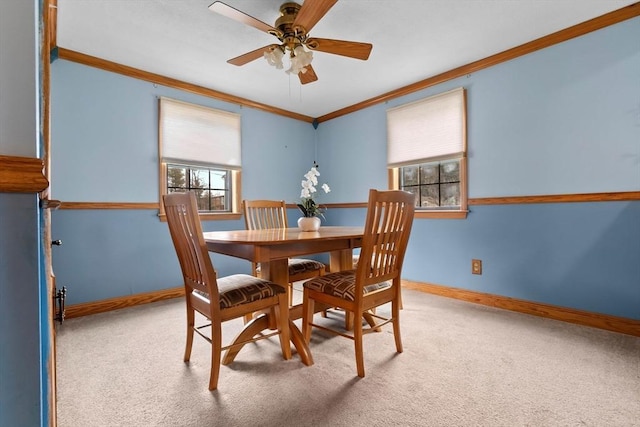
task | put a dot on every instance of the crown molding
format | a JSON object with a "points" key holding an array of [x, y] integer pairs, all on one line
{"points": [[578, 30], [583, 28], [136, 73]]}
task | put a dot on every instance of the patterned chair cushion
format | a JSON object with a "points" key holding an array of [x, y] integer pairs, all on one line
{"points": [[341, 284], [240, 289], [301, 265]]}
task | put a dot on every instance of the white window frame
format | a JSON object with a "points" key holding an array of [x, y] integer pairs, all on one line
{"points": [[200, 137], [430, 130]]}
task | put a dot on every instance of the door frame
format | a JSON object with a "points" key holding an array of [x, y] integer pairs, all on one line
{"points": [[48, 21]]}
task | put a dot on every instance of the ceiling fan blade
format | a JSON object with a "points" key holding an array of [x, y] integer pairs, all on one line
{"points": [[341, 47], [233, 13], [311, 12], [251, 56], [309, 76]]}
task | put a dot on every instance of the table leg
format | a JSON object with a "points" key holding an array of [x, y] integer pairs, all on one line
{"points": [[301, 346], [250, 330], [371, 321], [259, 324], [278, 272], [341, 260]]}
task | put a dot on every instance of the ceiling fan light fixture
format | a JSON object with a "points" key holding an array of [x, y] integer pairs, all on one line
{"points": [[274, 57], [300, 58], [303, 55]]}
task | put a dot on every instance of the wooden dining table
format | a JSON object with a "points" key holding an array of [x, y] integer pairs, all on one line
{"points": [[272, 248]]}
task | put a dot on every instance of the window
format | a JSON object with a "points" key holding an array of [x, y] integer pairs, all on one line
{"points": [[200, 152], [436, 185], [212, 186], [426, 153]]}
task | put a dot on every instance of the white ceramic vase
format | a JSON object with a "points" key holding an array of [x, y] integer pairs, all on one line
{"points": [[309, 223]]}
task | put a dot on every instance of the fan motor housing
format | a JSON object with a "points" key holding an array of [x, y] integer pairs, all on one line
{"points": [[291, 37], [288, 13]]}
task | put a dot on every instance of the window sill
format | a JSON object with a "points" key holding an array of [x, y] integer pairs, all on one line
{"points": [[223, 216], [440, 214]]}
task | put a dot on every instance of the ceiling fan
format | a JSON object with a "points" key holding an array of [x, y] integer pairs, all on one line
{"points": [[292, 29]]}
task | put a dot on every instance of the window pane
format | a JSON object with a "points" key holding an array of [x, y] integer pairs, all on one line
{"points": [[219, 179], [450, 194], [199, 178], [176, 177], [429, 173], [202, 197], [450, 172], [218, 201], [410, 175], [429, 196], [415, 191]]}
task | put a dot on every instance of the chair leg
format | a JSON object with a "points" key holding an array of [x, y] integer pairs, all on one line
{"points": [[290, 294], [307, 315], [348, 320], [282, 319], [190, 326], [357, 339], [395, 310], [216, 354]]}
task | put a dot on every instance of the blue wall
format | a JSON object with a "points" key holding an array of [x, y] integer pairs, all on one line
{"points": [[562, 120], [105, 139], [20, 340], [105, 149], [559, 121], [24, 324], [580, 255]]}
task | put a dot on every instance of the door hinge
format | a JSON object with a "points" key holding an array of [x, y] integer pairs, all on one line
{"points": [[58, 302]]}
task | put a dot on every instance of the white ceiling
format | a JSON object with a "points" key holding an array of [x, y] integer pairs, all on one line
{"points": [[412, 40]]}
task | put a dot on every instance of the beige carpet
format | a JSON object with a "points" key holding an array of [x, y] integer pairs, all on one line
{"points": [[463, 365]]}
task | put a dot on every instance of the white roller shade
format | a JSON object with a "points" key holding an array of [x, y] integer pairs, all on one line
{"points": [[199, 135], [427, 130]]}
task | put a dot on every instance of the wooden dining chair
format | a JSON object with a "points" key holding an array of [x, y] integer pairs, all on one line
{"points": [[376, 280], [218, 299], [265, 214]]}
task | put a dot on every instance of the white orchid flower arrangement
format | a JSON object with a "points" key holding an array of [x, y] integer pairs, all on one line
{"points": [[308, 205]]}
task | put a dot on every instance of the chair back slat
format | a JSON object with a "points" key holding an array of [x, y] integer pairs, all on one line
{"points": [[264, 214], [186, 233], [386, 235]]}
